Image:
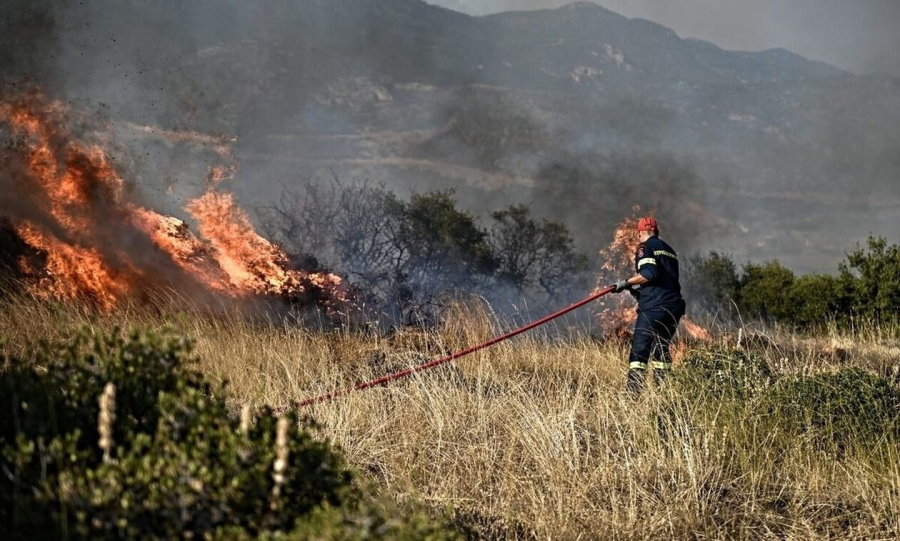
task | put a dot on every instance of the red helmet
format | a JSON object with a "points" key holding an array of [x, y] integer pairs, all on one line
{"points": [[648, 224]]}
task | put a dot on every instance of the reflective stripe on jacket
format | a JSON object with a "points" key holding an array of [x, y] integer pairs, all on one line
{"points": [[656, 261]]}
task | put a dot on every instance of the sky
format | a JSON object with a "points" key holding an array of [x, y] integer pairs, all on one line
{"points": [[861, 36]]}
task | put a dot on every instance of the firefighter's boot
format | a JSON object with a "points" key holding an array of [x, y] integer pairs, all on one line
{"points": [[660, 375], [635, 385]]}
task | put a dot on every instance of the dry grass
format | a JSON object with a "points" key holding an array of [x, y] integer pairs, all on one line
{"points": [[534, 437]]}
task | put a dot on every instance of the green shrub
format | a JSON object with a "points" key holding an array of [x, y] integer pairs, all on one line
{"points": [[371, 520], [835, 411], [367, 519], [535, 255], [763, 291], [711, 282], [871, 278], [816, 300], [723, 374], [739, 399], [867, 286], [178, 463], [712, 389]]}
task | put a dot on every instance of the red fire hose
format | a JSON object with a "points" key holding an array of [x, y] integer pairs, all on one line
{"points": [[437, 362]]}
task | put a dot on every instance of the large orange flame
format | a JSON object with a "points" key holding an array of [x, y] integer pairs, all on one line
{"points": [[97, 244], [251, 262], [73, 273], [618, 312]]}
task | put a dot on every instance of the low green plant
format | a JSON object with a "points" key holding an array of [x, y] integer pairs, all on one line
{"points": [[837, 411], [158, 455], [723, 374], [828, 412]]}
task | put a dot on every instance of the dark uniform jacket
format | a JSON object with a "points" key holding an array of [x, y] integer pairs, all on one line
{"points": [[658, 263]]}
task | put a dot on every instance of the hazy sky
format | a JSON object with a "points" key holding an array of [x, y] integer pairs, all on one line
{"points": [[862, 36]]}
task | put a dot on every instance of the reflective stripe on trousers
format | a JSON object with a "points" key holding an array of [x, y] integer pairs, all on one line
{"points": [[653, 332]]}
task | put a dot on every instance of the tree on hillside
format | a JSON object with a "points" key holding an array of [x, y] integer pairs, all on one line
{"points": [[438, 248], [535, 255]]}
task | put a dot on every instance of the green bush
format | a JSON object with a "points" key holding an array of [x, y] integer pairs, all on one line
{"points": [[711, 389], [178, 462], [367, 519], [817, 299], [772, 292], [831, 412], [723, 374], [838, 410], [535, 255], [871, 279], [764, 291], [867, 286], [711, 282]]}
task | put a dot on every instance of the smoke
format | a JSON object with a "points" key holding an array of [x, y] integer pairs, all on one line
{"points": [[582, 128], [28, 35]]}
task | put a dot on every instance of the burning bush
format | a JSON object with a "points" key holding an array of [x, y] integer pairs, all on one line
{"points": [[12, 250], [98, 245], [119, 437]]}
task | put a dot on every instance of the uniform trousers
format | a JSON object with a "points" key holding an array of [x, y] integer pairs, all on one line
{"points": [[653, 333]]}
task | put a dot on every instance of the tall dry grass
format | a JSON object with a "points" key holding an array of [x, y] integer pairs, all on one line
{"points": [[534, 437]]}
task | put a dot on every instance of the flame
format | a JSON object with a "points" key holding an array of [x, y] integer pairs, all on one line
{"points": [[695, 331], [619, 313], [173, 237], [251, 262], [72, 273], [219, 174], [95, 243], [618, 256]]}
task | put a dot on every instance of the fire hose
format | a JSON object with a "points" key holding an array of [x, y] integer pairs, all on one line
{"points": [[443, 360]]}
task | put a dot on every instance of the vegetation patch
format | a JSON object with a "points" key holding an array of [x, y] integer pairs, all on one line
{"points": [[837, 411], [119, 436], [724, 374]]}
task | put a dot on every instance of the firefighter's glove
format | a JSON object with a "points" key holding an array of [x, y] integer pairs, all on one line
{"points": [[621, 286]]}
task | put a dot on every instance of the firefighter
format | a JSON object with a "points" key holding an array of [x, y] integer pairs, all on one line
{"points": [[657, 289]]}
